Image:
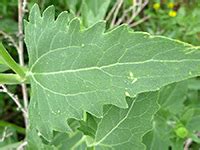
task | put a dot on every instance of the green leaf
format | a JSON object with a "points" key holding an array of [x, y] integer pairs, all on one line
{"points": [[171, 100], [72, 4], [9, 61], [35, 142], [173, 96], [75, 141], [11, 146], [193, 122], [14, 126], [89, 126], [10, 78], [74, 71], [61, 141], [8, 137], [124, 128], [194, 84], [3, 68], [8, 25], [94, 11], [155, 141]]}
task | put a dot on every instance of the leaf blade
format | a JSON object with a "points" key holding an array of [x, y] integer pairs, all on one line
{"points": [[73, 71], [120, 127]]}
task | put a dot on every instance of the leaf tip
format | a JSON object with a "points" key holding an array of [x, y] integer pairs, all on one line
{"points": [[74, 24], [49, 14], [34, 13], [63, 19]]}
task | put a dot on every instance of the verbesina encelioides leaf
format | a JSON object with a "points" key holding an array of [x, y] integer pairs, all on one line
{"points": [[73, 70]]}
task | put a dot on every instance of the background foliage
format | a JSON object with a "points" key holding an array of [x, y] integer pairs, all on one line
{"points": [[177, 121]]}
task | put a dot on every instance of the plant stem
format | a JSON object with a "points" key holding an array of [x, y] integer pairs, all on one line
{"points": [[21, 10], [10, 79], [20, 31], [9, 61]]}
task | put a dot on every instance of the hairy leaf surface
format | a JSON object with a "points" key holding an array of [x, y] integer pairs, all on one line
{"points": [[74, 70]]}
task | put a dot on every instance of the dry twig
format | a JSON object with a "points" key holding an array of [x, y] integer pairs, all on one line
{"points": [[188, 142], [139, 9], [136, 8], [21, 11], [5, 135], [125, 13], [111, 11], [14, 98], [10, 39], [21, 146], [119, 4], [139, 21]]}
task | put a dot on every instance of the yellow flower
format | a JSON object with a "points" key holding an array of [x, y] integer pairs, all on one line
{"points": [[156, 6], [172, 13], [170, 5]]}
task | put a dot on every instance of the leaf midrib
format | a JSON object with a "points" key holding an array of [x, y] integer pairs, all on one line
{"points": [[114, 65]]}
